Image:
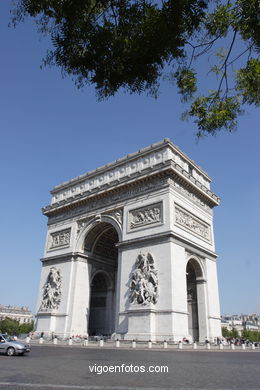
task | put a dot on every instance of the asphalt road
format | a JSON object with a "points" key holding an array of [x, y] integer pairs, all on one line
{"points": [[63, 368]]}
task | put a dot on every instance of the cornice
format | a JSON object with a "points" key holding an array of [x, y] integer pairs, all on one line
{"points": [[152, 310], [169, 169], [189, 182], [129, 158], [115, 187], [168, 236], [71, 256], [132, 167], [64, 257]]}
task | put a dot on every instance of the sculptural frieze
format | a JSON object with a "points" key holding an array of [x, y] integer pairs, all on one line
{"points": [[52, 290], [60, 239], [144, 281], [190, 195], [145, 216], [192, 223]]}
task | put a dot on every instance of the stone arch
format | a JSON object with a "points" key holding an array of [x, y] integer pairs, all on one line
{"points": [[98, 243], [92, 223], [196, 298], [197, 265], [101, 240], [107, 276]]}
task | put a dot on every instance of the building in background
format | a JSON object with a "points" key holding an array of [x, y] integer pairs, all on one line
{"points": [[21, 314], [241, 322]]}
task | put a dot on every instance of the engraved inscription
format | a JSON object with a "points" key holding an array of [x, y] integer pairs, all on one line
{"points": [[145, 215], [190, 222]]}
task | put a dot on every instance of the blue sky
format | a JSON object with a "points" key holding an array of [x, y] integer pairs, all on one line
{"points": [[51, 132]]}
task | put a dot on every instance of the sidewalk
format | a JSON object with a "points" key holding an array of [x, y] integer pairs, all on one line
{"points": [[142, 345]]}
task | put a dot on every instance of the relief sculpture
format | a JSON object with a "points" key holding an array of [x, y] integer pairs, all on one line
{"points": [[117, 214], [52, 290], [146, 215], [61, 238], [192, 223], [144, 281]]}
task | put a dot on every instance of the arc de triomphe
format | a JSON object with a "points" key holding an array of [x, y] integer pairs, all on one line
{"points": [[130, 251]]}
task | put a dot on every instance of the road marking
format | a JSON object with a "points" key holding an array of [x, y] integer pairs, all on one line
{"points": [[88, 387], [94, 387]]}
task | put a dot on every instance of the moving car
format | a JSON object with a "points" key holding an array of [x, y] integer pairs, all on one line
{"points": [[12, 347]]}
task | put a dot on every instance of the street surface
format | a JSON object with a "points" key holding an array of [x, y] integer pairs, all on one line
{"points": [[64, 368]]}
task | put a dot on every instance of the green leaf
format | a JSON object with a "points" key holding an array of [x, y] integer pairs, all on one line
{"points": [[248, 82]]}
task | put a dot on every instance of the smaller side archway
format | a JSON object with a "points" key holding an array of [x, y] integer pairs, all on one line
{"points": [[196, 300]]}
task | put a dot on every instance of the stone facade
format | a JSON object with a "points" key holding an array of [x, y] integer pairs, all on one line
{"points": [[130, 251], [241, 322], [21, 314]]}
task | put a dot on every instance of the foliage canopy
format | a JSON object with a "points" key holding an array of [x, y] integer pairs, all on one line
{"points": [[250, 335], [9, 326], [12, 327], [230, 333], [133, 44]]}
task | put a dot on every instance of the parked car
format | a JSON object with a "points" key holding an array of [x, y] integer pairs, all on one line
{"points": [[12, 347]]}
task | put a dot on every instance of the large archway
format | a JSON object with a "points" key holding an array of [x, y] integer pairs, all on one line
{"points": [[100, 246]]}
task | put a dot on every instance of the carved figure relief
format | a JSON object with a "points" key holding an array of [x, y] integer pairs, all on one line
{"points": [[192, 223], [117, 214], [145, 216], [144, 281], [81, 224], [61, 238], [191, 196], [52, 290]]}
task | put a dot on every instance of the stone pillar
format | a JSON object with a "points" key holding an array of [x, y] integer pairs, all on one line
{"points": [[80, 298], [214, 321], [202, 309], [120, 315], [110, 326]]}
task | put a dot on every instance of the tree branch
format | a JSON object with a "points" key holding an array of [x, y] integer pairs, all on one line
{"points": [[240, 55], [224, 65]]}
